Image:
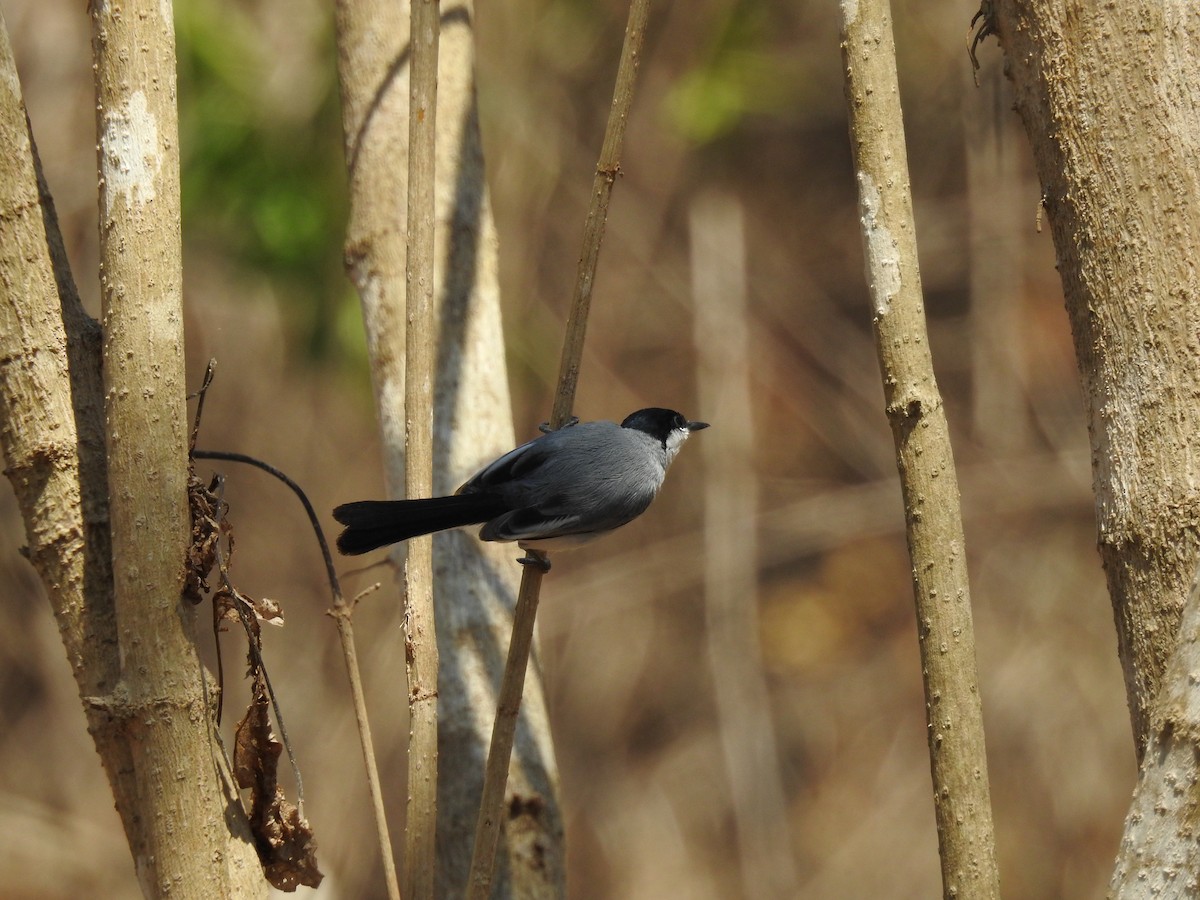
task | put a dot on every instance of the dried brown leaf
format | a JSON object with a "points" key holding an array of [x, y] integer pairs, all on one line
{"points": [[255, 750], [207, 523], [269, 611], [225, 605], [292, 860], [285, 843]]}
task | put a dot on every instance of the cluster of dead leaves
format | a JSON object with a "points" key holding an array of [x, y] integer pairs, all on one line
{"points": [[282, 836]]}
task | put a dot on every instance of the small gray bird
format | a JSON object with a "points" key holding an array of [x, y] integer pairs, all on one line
{"points": [[560, 489]]}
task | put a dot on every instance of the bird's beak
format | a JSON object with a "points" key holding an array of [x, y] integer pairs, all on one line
{"points": [[696, 426]]}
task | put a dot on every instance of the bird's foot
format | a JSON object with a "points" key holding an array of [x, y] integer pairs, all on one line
{"points": [[545, 428], [537, 560]]}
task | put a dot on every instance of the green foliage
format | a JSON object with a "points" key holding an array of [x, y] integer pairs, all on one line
{"points": [[739, 74], [262, 166]]}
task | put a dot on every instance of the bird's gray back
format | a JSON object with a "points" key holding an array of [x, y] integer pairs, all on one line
{"points": [[611, 472]]}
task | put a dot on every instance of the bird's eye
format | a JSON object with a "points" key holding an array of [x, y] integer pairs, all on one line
{"points": [[679, 421]]}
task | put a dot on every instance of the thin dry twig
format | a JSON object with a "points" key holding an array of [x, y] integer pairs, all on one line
{"points": [[342, 613], [487, 830], [962, 800]]}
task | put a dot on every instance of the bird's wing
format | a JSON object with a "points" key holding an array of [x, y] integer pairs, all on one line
{"points": [[513, 465], [529, 524]]}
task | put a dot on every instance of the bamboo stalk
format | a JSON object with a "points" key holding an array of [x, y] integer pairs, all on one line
{"points": [[421, 651], [487, 831], [958, 761]]}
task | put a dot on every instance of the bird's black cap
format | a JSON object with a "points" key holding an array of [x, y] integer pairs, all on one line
{"points": [[658, 422]]}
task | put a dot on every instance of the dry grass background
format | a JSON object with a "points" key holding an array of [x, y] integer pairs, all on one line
{"points": [[623, 648]]}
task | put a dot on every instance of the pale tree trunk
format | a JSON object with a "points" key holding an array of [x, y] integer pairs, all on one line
{"points": [[52, 429], [474, 583], [161, 702], [117, 595], [1158, 855], [1110, 98]]}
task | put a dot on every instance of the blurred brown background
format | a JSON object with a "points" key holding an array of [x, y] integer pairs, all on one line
{"points": [[743, 99]]}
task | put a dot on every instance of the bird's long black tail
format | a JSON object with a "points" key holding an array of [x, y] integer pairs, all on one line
{"points": [[376, 523]]}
